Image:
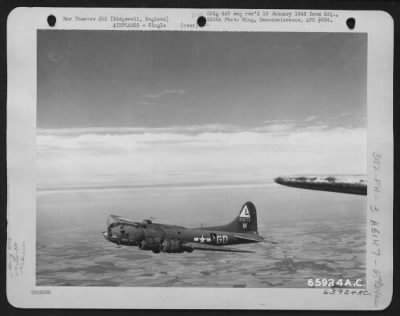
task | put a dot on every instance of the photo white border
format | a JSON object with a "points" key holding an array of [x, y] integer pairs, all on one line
{"points": [[22, 291]]}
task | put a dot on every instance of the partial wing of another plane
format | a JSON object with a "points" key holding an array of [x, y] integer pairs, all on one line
{"points": [[353, 184]]}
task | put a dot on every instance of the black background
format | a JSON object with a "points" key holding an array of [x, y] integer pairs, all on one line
{"points": [[392, 7]]}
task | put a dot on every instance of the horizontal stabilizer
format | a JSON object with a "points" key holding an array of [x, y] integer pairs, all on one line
{"points": [[256, 238], [340, 184], [198, 246], [250, 237]]}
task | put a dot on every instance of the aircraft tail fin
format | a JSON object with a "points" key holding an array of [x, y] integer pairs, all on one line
{"points": [[247, 219], [245, 222]]}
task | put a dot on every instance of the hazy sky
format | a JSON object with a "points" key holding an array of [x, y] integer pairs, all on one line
{"points": [[104, 78], [136, 108]]}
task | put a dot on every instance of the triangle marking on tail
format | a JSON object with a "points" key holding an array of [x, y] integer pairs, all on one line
{"points": [[244, 215]]}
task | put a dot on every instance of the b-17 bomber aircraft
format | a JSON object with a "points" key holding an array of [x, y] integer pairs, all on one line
{"points": [[156, 237]]}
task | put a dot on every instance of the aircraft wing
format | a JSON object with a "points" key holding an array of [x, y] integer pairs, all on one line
{"points": [[253, 237], [198, 246], [122, 220], [343, 184]]}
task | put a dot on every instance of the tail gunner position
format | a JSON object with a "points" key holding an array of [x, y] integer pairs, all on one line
{"points": [[177, 239]]}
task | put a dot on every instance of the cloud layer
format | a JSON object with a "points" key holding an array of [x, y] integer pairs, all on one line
{"points": [[195, 154]]}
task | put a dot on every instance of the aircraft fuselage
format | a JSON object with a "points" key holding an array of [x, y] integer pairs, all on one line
{"points": [[174, 239], [125, 234]]}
